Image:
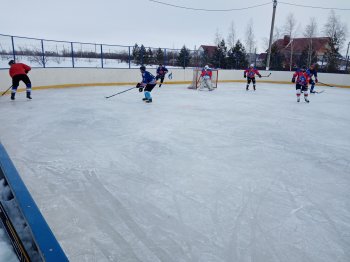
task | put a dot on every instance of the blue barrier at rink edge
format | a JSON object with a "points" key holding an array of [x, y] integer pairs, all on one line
{"points": [[49, 248]]}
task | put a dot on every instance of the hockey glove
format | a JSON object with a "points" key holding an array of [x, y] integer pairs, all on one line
{"points": [[259, 76], [138, 85], [245, 76], [26, 71], [293, 80]]}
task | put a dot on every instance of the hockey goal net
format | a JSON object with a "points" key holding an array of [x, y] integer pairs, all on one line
{"points": [[196, 81]]}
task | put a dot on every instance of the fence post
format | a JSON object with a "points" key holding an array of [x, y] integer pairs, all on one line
{"points": [[129, 57], [71, 47], [13, 48], [43, 52], [101, 56]]}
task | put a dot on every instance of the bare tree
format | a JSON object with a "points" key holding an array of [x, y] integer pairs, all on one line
{"points": [[310, 32], [290, 30], [276, 35], [289, 27], [250, 39], [218, 37], [231, 36], [336, 28]]}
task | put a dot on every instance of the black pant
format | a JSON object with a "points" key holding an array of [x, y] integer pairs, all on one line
{"points": [[17, 78], [149, 87], [251, 80], [161, 78], [303, 88]]}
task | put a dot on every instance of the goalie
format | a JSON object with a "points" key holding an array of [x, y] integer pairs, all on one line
{"points": [[206, 76]]}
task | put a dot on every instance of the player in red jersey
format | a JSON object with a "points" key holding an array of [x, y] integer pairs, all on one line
{"points": [[250, 73]]}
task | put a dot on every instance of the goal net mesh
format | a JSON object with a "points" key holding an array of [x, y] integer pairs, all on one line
{"points": [[196, 80]]}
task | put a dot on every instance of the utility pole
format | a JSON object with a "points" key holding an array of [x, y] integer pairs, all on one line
{"points": [[347, 58], [271, 34]]}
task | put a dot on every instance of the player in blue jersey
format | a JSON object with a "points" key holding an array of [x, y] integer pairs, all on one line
{"points": [[148, 83], [312, 72], [161, 72]]}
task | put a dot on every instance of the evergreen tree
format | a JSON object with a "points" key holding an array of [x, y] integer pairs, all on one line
{"points": [[136, 54], [276, 58], [142, 55], [184, 57], [219, 57], [332, 54], [237, 57], [204, 57], [159, 56], [303, 59], [148, 59]]}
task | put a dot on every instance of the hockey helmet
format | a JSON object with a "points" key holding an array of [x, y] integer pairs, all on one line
{"points": [[303, 68], [206, 67], [251, 65], [11, 62], [143, 68]]}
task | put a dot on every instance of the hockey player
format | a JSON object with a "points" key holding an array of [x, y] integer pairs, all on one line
{"points": [[148, 83], [312, 72], [18, 72], [301, 80], [250, 73], [206, 76], [161, 72]]}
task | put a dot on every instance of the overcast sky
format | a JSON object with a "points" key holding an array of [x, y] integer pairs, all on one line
{"points": [[144, 22]]}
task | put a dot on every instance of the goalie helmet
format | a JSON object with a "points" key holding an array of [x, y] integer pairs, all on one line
{"points": [[206, 67]]}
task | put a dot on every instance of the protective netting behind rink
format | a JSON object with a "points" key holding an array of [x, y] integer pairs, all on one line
{"points": [[196, 80]]}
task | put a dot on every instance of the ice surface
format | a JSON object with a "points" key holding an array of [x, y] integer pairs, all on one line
{"points": [[227, 175]]}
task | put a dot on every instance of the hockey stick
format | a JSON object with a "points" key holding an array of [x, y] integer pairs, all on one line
{"points": [[6, 91], [267, 75], [325, 84], [319, 92], [121, 92]]}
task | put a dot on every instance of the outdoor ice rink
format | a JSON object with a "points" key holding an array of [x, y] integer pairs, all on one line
{"points": [[227, 175]]}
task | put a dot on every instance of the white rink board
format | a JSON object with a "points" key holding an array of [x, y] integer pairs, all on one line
{"points": [[68, 76], [227, 175]]}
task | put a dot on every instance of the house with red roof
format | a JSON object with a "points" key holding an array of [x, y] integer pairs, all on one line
{"points": [[296, 46]]}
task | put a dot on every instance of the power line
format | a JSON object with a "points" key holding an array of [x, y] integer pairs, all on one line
{"points": [[316, 7], [209, 10]]}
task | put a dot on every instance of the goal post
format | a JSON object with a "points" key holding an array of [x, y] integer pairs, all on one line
{"points": [[196, 80]]}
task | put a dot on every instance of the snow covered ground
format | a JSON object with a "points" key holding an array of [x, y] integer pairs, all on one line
{"points": [[6, 252], [227, 175]]}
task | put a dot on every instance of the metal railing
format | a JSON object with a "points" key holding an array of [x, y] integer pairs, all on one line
{"points": [[62, 54], [52, 54]]}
